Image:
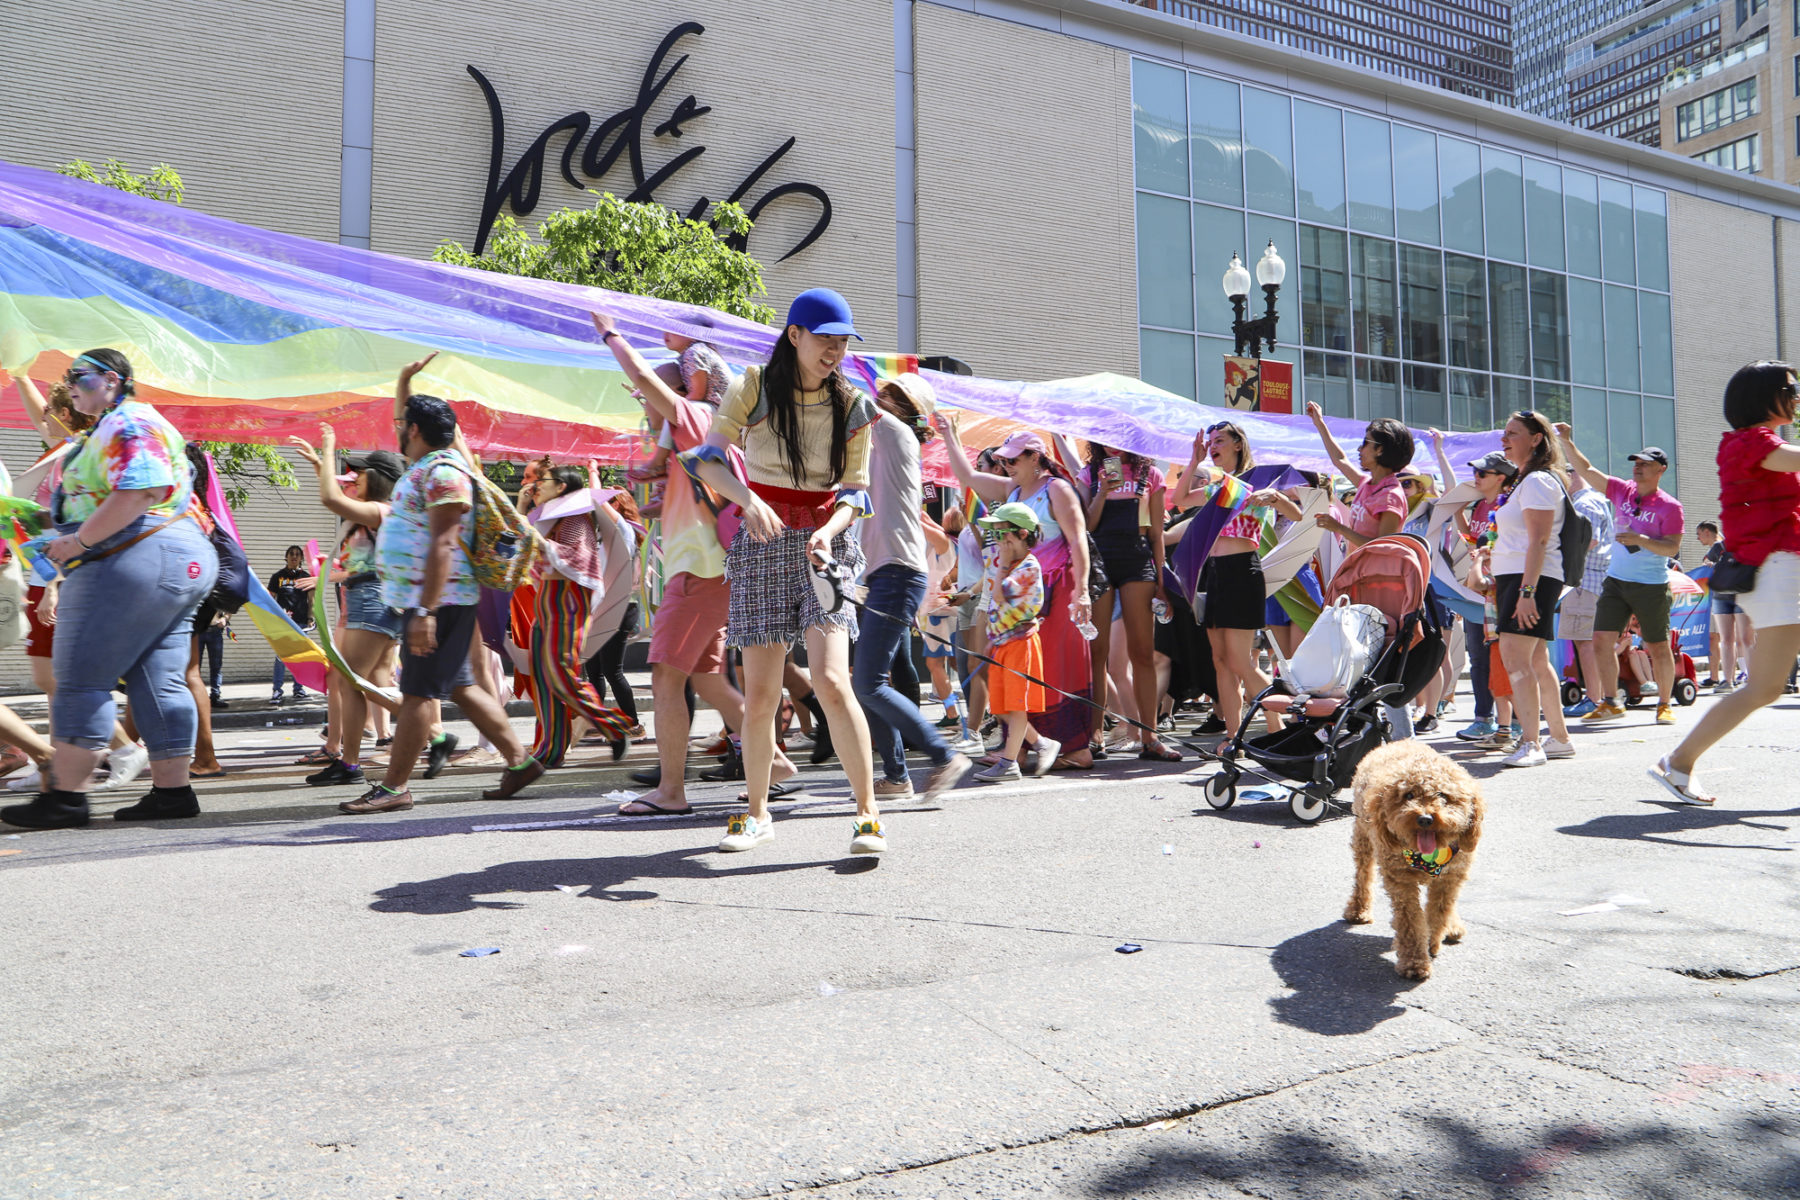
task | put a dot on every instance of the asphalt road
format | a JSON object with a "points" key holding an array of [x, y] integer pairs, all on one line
{"points": [[270, 1000]]}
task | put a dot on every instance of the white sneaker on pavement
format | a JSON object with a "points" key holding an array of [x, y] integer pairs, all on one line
{"points": [[969, 745], [1528, 754], [745, 832], [1556, 749], [30, 781], [1047, 750], [127, 765], [867, 838], [1004, 771]]}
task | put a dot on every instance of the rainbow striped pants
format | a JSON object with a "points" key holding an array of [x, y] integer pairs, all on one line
{"points": [[558, 685]]}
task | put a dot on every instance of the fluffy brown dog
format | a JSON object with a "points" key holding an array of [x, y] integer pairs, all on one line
{"points": [[1418, 815]]}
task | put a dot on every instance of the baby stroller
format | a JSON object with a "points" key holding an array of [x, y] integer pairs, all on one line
{"points": [[1327, 738]]}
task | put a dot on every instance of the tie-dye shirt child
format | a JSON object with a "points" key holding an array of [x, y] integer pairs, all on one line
{"points": [[131, 448], [1016, 600]]}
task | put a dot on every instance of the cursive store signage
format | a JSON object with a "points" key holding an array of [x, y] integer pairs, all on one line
{"points": [[596, 148]]}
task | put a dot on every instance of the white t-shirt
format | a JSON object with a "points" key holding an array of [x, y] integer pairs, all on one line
{"points": [[1537, 490]]}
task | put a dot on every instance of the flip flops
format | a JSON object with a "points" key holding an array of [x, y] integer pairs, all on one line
{"points": [[777, 791], [653, 809], [1679, 784]]}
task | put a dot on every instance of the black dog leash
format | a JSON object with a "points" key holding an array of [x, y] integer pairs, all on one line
{"points": [[835, 580]]}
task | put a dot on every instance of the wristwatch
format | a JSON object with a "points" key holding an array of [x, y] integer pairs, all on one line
{"points": [[420, 612]]}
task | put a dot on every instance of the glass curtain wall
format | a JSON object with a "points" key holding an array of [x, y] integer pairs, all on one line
{"points": [[1442, 280]]}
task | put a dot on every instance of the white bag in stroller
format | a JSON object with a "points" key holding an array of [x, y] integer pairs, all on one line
{"points": [[1342, 644]]}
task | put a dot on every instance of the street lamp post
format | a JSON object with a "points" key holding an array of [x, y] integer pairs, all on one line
{"points": [[1270, 271]]}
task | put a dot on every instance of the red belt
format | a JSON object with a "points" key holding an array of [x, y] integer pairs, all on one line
{"points": [[797, 509]]}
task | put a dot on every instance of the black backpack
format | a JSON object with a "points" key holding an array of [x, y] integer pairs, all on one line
{"points": [[1577, 536]]}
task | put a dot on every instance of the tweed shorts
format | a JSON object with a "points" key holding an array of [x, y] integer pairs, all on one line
{"points": [[772, 597]]}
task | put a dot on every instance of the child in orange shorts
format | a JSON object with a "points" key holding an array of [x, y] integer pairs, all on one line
{"points": [[1016, 598]]}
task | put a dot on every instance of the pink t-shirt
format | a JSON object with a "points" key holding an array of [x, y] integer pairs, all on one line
{"points": [[1657, 515], [1374, 499], [691, 538]]}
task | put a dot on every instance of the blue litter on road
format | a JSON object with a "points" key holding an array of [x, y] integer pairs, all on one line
{"points": [[479, 952], [1129, 948]]}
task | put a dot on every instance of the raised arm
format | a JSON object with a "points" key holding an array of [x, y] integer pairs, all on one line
{"points": [[1185, 486], [361, 512], [1596, 478], [403, 392], [1444, 463], [657, 394], [993, 488], [1346, 468], [47, 425]]}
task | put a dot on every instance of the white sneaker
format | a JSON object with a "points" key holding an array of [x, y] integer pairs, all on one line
{"points": [[127, 765], [31, 781], [1047, 750], [868, 838], [1724, 687], [1556, 749], [971, 745], [1528, 754], [1004, 771], [746, 833]]}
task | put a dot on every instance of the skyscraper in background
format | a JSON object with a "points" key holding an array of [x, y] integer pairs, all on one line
{"points": [[1615, 74], [1460, 45], [1542, 33]]}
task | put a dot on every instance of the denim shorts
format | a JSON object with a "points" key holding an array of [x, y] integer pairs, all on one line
{"points": [[363, 609]]}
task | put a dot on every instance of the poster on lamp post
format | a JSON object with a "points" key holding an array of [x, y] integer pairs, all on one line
{"points": [[1259, 384]]}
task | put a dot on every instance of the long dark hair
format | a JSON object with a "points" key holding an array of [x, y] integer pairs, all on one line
{"points": [[781, 379], [573, 479], [1136, 464]]}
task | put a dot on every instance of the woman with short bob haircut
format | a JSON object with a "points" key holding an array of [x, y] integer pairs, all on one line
{"points": [[1759, 507]]}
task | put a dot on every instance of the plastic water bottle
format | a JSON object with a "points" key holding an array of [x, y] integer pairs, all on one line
{"points": [[1084, 624], [1160, 609]]}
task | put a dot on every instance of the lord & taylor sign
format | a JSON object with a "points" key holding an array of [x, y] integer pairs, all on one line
{"points": [[601, 146]]}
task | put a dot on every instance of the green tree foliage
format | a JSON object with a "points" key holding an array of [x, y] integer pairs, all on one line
{"points": [[641, 249], [241, 465]]}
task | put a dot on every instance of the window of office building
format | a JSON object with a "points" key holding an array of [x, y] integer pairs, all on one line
{"points": [[1439, 279], [1724, 107], [1744, 155]]}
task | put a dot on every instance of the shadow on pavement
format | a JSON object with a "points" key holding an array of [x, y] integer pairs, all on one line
{"points": [[1665, 821], [591, 878], [1448, 1156], [1341, 983]]}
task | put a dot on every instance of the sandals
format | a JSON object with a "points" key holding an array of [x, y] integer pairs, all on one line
{"points": [[1157, 752], [1680, 784], [652, 809], [314, 758], [777, 791]]}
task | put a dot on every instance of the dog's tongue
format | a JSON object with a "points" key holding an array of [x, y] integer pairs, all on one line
{"points": [[1427, 844]]}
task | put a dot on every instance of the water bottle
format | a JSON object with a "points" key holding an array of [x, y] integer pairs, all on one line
{"points": [[1160, 609], [1085, 625], [506, 546]]}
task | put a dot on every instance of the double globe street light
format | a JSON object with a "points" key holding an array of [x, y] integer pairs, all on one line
{"points": [[1270, 271]]}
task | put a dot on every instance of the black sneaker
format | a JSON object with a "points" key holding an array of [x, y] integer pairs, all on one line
{"points": [[275, 701], [49, 810], [336, 772], [162, 804], [1425, 724], [730, 770], [649, 776], [1211, 725], [221, 702], [437, 756]]}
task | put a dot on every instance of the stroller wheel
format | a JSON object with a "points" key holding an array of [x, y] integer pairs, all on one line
{"points": [[1221, 790], [1308, 806], [1572, 693]]}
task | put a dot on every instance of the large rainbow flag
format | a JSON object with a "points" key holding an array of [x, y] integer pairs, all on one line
{"points": [[242, 334]]}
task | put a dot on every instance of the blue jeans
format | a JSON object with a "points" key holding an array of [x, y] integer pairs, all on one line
{"points": [[895, 593], [146, 643], [1475, 640], [282, 676]]}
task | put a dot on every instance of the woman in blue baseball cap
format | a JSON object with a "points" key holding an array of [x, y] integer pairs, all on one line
{"points": [[805, 432]]}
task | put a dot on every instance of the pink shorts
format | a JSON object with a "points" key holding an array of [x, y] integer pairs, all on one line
{"points": [[690, 625]]}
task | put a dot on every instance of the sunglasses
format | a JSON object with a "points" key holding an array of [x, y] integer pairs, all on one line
{"points": [[1788, 390], [79, 378], [1497, 474]]}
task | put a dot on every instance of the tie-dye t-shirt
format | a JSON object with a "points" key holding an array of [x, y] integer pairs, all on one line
{"points": [[1016, 600], [438, 478], [132, 448]]}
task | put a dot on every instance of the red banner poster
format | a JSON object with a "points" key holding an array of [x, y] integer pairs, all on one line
{"points": [[1259, 384]]}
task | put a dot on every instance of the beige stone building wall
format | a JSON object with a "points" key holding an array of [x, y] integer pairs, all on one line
{"points": [[1027, 258], [1719, 330], [245, 101], [818, 70]]}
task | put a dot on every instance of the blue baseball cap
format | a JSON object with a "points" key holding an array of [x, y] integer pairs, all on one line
{"points": [[822, 311]]}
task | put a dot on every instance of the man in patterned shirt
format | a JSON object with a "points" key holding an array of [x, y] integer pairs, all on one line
{"points": [[424, 567], [1575, 618]]}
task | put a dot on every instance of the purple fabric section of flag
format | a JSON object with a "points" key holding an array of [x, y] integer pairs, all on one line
{"points": [[1208, 520]]}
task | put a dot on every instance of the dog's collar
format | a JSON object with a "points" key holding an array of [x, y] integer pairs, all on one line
{"points": [[1433, 863]]}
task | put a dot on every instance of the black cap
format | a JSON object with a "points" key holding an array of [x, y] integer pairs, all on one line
{"points": [[1493, 460], [1650, 454], [382, 462]]}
